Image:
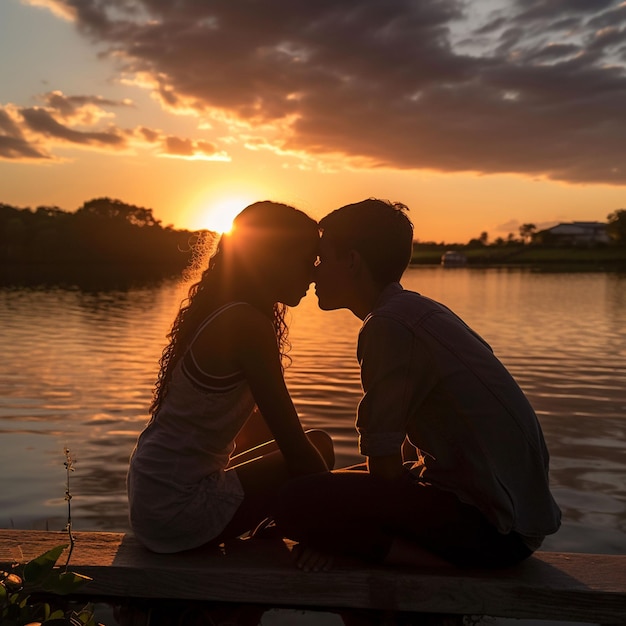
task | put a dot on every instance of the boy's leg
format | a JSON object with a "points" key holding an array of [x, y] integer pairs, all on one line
{"points": [[362, 515], [336, 512]]}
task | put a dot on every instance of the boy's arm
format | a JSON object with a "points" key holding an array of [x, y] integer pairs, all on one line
{"points": [[396, 375]]}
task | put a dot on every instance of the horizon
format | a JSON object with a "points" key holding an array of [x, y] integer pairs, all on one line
{"points": [[498, 113], [226, 223]]}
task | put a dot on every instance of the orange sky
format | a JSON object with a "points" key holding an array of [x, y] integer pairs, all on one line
{"points": [[506, 113]]}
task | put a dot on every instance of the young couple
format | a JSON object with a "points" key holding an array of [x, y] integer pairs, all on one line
{"points": [[457, 466]]}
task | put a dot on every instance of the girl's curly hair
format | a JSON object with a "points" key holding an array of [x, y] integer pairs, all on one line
{"points": [[261, 228]]}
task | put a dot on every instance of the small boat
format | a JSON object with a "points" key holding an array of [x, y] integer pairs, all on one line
{"points": [[452, 258]]}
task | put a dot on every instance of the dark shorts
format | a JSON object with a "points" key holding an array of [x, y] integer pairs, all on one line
{"points": [[355, 513]]}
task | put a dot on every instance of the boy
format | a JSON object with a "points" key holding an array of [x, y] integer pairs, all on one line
{"points": [[477, 492]]}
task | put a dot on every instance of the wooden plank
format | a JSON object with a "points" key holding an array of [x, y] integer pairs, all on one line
{"points": [[564, 587]]}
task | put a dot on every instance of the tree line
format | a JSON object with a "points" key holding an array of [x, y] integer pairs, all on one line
{"points": [[528, 234], [104, 235], [110, 238]]}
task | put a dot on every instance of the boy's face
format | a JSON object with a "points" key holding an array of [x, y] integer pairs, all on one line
{"points": [[332, 277]]}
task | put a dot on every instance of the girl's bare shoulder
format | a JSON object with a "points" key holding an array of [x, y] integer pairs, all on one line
{"points": [[242, 324]]}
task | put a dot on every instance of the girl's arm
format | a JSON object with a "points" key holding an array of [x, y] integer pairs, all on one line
{"points": [[254, 433], [256, 351]]}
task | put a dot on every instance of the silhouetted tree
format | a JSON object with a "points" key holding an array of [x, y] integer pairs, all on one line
{"points": [[104, 233], [616, 226], [482, 240], [526, 232], [117, 210]]}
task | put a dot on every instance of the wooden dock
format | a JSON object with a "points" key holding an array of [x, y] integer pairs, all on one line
{"points": [[548, 586]]}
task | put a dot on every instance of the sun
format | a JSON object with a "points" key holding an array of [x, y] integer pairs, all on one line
{"points": [[219, 214]]}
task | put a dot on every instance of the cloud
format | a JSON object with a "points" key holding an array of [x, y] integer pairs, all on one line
{"points": [[16, 148], [13, 144], [86, 110], [33, 133], [43, 123], [28, 133], [526, 86], [512, 226], [188, 149]]}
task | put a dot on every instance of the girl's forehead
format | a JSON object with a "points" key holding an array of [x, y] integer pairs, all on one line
{"points": [[326, 246], [303, 246]]}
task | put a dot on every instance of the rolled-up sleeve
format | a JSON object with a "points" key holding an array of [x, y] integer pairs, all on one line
{"points": [[385, 353]]}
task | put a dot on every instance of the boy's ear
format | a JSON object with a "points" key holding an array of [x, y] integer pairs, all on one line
{"points": [[359, 267], [354, 260]]}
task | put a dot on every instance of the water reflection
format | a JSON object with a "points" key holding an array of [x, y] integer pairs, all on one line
{"points": [[79, 365]]}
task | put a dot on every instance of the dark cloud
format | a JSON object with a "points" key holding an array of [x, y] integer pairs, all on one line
{"points": [[30, 133], [176, 146], [553, 52], [17, 148], [41, 121], [69, 106], [389, 82], [13, 145], [551, 9], [148, 134]]}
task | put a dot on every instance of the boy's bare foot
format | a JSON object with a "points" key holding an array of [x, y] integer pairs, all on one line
{"points": [[311, 560]]}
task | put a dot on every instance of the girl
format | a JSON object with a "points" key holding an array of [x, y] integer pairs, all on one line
{"points": [[222, 366]]}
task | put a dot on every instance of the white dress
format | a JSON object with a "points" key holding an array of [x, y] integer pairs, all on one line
{"points": [[179, 495]]}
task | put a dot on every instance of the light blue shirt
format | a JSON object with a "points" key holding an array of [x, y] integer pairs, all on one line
{"points": [[427, 375]]}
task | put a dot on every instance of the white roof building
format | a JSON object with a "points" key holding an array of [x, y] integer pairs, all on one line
{"points": [[580, 233]]}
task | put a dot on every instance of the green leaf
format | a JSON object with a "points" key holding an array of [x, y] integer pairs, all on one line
{"points": [[65, 582], [38, 569], [84, 617]]}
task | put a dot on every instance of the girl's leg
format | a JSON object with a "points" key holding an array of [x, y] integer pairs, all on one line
{"points": [[256, 433], [319, 438], [262, 471], [260, 477]]}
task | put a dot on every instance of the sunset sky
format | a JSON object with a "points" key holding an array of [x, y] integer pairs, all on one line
{"points": [[479, 115]]}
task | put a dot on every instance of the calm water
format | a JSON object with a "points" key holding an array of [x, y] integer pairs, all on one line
{"points": [[77, 370]]}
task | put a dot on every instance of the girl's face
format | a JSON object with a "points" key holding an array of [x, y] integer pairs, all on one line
{"points": [[294, 271]]}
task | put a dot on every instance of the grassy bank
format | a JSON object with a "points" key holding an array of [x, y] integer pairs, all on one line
{"points": [[592, 258]]}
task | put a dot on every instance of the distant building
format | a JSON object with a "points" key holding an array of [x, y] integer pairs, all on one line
{"points": [[575, 234], [452, 258]]}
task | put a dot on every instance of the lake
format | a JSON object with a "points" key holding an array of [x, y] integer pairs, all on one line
{"points": [[78, 366]]}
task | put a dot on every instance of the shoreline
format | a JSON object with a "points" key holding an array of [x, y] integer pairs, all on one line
{"points": [[560, 259], [125, 276]]}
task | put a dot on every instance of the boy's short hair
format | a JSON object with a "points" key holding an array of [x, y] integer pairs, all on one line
{"points": [[379, 230]]}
